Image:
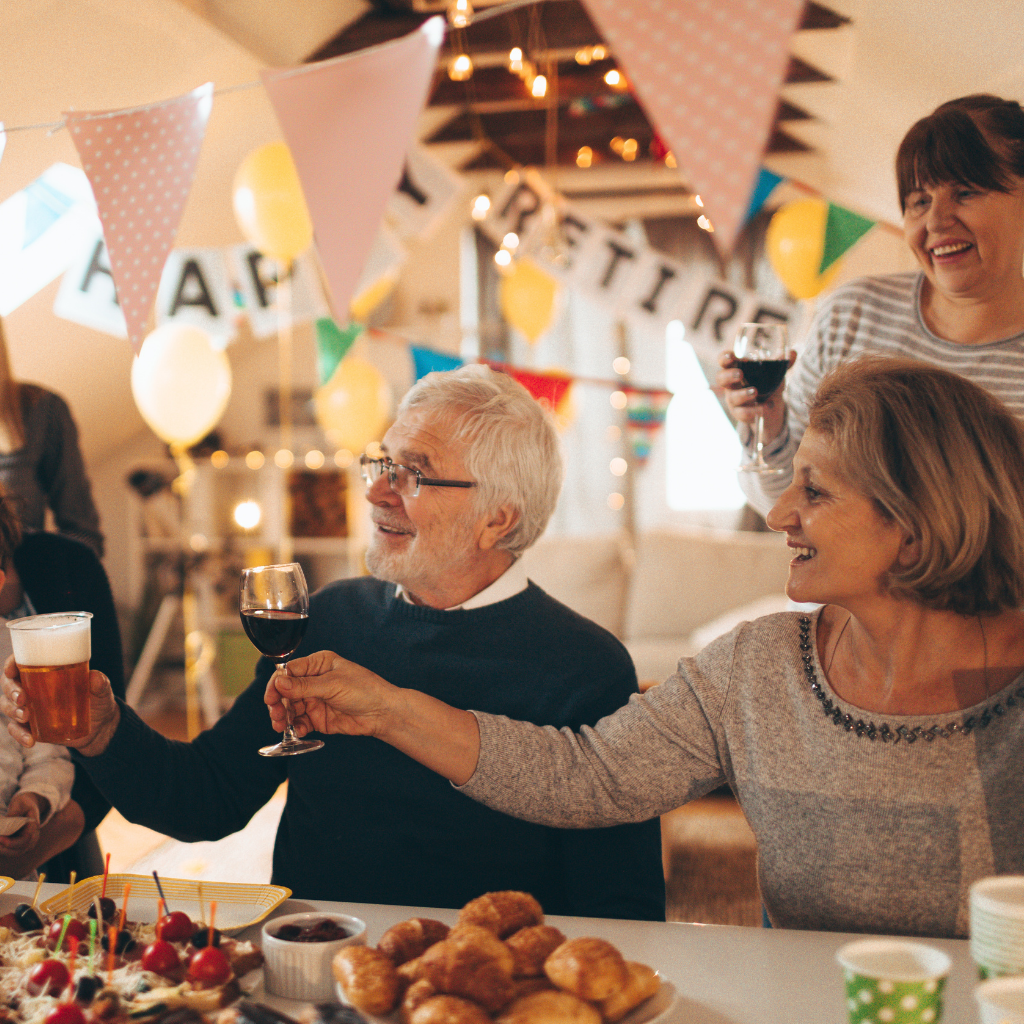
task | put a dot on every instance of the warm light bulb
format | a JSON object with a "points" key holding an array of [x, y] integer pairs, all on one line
{"points": [[670, 160], [515, 60], [703, 222], [283, 459], [613, 78], [461, 68], [247, 514], [584, 56], [219, 459], [599, 52], [314, 459], [620, 364], [199, 542], [511, 241], [481, 206], [618, 399], [613, 433], [616, 501], [254, 460], [512, 177], [618, 467], [460, 13], [699, 201], [584, 156], [629, 149], [503, 257], [539, 87], [616, 144], [343, 458]]}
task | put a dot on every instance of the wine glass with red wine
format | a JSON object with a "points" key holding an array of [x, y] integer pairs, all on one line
{"points": [[274, 605], [762, 356]]}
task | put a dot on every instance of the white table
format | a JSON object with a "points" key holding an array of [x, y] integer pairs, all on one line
{"points": [[723, 974]]}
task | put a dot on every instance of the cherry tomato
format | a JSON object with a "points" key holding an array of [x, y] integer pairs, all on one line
{"points": [[175, 927], [48, 977], [75, 933], [65, 1013], [160, 957], [209, 966]]}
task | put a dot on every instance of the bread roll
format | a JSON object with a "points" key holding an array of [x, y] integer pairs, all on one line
{"points": [[368, 978], [449, 1010], [531, 947], [502, 912], [550, 1008], [409, 939], [591, 969], [418, 992], [643, 983], [471, 963]]}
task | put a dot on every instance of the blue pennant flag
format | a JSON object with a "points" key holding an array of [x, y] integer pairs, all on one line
{"points": [[766, 182], [427, 360]]}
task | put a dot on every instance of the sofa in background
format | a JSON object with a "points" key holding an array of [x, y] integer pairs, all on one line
{"points": [[672, 593]]}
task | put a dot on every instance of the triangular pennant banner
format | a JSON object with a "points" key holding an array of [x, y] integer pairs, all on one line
{"points": [[646, 409], [842, 229], [427, 360], [332, 345], [766, 182], [707, 73], [3, 139], [548, 388], [140, 164], [332, 115]]}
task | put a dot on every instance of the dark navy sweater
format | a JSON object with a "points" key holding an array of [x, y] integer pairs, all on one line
{"points": [[364, 822]]}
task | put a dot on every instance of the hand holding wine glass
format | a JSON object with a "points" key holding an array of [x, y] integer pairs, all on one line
{"points": [[274, 605], [760, 354]]}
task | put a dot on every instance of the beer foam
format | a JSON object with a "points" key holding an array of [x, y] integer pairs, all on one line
{"points": [[51, 639]]}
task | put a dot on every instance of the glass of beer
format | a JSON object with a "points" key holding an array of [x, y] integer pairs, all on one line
{"points": [[52, 653]]}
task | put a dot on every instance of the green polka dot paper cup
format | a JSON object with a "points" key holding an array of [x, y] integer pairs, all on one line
{"points": [[893, 981]]}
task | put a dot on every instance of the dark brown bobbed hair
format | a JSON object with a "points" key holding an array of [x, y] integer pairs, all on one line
{"points": [[977, 141], [10, 531], [944, 459]]}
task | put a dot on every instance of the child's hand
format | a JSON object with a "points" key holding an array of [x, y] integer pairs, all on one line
{"points": [[24, 805]]}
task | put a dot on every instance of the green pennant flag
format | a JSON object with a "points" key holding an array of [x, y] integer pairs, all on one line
{"points": [[842, 229], [332, 344]]}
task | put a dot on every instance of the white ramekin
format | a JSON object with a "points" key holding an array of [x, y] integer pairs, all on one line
{"points": [[302, 970]]}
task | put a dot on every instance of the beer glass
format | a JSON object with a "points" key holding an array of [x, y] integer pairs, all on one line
{"points": [[52, 653]]}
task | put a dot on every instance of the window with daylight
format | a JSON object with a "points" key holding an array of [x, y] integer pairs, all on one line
{"points": [[702, 448]]}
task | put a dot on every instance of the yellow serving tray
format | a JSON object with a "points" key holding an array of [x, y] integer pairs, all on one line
{"points": [[238, 905]]}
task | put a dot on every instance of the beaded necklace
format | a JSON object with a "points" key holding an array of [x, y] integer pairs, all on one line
{"points": [[885, 732]]}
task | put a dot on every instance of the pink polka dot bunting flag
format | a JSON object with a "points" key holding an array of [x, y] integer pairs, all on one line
{"points": [[707, 73], [140, 164]]}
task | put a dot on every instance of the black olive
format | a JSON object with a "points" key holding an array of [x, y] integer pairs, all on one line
{"points": [[124, 941], [27, 918], [86, 988], [202, 935], [107, 908]]}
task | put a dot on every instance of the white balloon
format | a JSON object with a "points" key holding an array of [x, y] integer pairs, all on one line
{"points": [[181, 383]]}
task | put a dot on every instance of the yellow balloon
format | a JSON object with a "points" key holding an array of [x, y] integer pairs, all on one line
{"points": [[371, 297], [796, 241], [269, 205], [181, 383], [353, 406], [527, 297]]}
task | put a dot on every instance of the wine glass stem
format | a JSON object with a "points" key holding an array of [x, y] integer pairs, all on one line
{"points": [[759, 445], [289, 736]]}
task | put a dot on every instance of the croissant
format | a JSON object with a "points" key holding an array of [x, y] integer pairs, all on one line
{"points": [[471, 963], [368, 978], [502, 912], [531, 947], [448, 1010], [550, 1008], [643, 983], [409, 939], [591, 969]]}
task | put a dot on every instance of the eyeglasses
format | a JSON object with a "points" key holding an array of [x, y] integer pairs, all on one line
{"points": [[402, 480]]}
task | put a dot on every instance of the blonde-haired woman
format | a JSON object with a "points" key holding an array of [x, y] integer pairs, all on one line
{"points": [[41, 465]]}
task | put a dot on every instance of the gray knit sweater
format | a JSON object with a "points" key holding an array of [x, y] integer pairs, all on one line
{"points": [[880, 315], [853, 834]]}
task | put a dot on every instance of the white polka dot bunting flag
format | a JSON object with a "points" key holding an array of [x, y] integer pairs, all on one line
{"points": [[140, 164], [707, 73]]}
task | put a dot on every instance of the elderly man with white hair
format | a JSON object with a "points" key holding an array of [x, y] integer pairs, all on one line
{"points": [[467, 478]]}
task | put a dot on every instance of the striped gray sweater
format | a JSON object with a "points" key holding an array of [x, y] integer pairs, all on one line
{"points": [[880, 315]]}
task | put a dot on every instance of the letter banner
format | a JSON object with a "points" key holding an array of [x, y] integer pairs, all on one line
{"points": [[196, 289], [634, 282]]}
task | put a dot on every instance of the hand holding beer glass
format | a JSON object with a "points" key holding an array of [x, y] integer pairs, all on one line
{"points": [[52, 654]]}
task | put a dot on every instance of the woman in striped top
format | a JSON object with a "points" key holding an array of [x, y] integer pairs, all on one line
{"points": [[960, 173]]}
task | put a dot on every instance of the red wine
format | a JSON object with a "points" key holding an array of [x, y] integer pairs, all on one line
{"points": [[275, 634], [764, 374]]}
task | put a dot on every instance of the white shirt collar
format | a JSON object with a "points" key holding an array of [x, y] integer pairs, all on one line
{"points": [[511, 582]]}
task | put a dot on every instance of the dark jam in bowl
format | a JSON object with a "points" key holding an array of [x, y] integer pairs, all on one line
{"points": [[324, 930]]}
